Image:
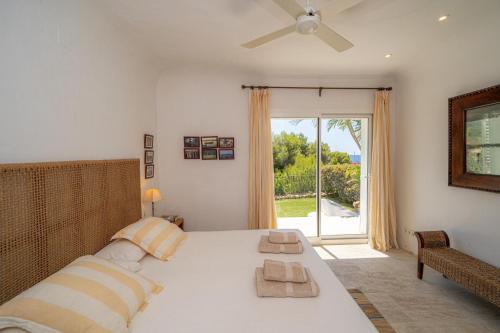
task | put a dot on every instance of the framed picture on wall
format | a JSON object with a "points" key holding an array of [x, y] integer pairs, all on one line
{"points": [[149, 171], [148, 141], [191, 141], [149, 156], [191, 153], [209, 154], [226, 142], [226, 154], [209, 142]]}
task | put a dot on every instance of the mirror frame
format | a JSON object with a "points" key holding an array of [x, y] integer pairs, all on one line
{"points": [[457, 173]]}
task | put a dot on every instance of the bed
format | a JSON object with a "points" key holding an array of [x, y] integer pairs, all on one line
{"points": [[53, 213], [210, 287]]}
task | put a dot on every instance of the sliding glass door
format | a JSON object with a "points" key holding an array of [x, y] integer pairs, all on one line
{"points": [[344, 176], [321, 164], [295, 173]]}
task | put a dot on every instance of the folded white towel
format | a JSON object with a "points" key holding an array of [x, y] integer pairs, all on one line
{"points": [[283, 237]]}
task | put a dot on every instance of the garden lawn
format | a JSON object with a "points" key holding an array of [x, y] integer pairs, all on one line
{"points": [[295, 207]]}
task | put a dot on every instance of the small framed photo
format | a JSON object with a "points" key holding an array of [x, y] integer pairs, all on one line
{"points": [[191, 153], [191, 141], [149, 171], [209, 154], [149, 156], [148, 141], [226, 154], [209, 142], [226, 142]]}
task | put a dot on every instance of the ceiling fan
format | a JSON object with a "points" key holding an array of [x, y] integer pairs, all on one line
{"points": [[309, 23]]}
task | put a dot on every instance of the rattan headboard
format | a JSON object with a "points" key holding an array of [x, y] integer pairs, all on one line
{"points": [[52, 213]]}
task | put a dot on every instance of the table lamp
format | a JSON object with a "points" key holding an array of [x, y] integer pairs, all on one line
{"points": [[152, 195]]}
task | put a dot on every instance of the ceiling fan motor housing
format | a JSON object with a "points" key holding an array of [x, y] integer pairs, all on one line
{"points": [[308, 23]]}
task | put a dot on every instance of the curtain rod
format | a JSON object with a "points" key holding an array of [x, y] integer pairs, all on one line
{"points": [[320, 89]]}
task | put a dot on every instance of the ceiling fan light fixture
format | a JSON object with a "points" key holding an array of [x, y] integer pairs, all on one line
{"points": [[308, 21], [443, 18], [308, 24]]}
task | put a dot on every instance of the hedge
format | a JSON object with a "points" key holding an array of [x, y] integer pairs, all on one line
{"points": [[341, 181]]}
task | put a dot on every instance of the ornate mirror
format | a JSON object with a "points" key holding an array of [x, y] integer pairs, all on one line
{"points": [[474, 140]]}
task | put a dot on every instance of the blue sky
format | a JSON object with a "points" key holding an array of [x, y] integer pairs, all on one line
{"points": [[336, 139]]}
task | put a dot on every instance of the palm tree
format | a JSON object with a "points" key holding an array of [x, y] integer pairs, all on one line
{"points": [[353, 125]]}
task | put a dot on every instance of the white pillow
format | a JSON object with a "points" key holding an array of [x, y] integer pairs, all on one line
{"points": [[132, 266], [121, 250], [89, 295], [156, 236]]}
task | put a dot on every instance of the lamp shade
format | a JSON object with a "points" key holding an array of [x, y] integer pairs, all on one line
{"points": [[152, 195]]}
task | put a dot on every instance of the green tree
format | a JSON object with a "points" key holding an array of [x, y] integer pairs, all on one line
{"points": [[353, 125], [325, 151], [338, 157], [303, 164], [300, 177], [286, 148]]}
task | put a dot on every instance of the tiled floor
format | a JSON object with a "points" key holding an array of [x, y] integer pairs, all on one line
{"points": [[410, 305], [335, 220]]}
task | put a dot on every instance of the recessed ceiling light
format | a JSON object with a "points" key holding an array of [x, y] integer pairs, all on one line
{"points": [[443, 18], [388, 55]]}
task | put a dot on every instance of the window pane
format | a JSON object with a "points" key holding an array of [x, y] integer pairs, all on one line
{"points": [[294, 156], [482, 128], [344, 168]]}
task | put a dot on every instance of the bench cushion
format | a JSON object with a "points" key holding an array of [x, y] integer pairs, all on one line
{"points": [[474, 274]]}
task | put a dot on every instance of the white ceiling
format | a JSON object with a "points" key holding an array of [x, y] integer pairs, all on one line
{"points": [[210, 32]]}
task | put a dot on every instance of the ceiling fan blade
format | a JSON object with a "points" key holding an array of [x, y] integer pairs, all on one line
{"points": [[291, 7], [269, 37], [332, 38], [336, 7]]}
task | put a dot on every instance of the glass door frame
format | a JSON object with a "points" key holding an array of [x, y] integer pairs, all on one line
{"points": [[369, 117], [319, 120]]}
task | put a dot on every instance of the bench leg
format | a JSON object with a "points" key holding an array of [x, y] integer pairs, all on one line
{"points": [[420, 270]]}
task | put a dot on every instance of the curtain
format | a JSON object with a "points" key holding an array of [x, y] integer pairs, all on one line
{"points": [[382, 212], [261, 208]]}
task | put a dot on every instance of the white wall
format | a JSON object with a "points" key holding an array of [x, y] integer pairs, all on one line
{"points": [[306, 103], [212, 195], [466, 62], [73, 84]]}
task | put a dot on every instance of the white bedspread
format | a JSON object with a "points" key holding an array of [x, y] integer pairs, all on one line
{"points": [[210, 287]]}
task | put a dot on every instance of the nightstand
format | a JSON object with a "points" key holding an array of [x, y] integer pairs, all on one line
{"points": [[179, 221]]}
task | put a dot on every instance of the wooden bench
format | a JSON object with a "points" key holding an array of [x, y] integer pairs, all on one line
{"points": [[479, 277]]}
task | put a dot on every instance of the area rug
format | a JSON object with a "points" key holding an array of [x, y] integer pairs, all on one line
{"points": [[371, 311]]}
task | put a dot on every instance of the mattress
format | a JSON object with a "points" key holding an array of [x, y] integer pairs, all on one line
{"points": [[210, 287]]}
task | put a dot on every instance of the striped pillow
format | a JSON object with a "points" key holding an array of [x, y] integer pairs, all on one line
{"points": [[155, 235], [88, 295]]}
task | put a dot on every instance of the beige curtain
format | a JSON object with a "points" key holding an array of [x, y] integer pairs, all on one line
{"points": [[261, 209], [382, 205]]}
